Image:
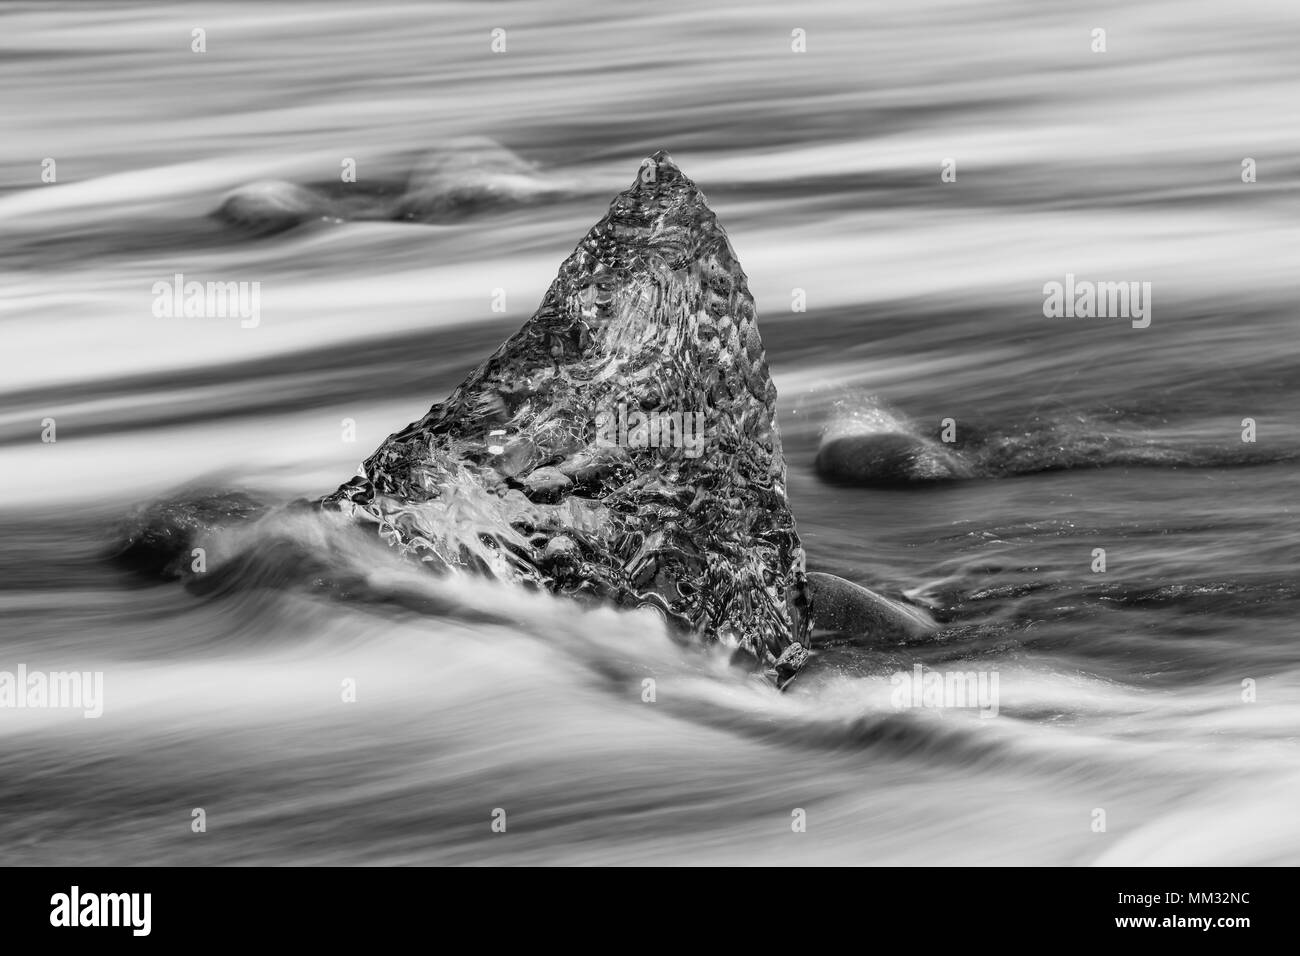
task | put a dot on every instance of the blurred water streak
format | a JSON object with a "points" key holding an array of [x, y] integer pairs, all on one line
{"points": [[1120, 691]]}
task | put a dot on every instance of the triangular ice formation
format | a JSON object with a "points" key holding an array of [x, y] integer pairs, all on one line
{"points": [[622, 444]]}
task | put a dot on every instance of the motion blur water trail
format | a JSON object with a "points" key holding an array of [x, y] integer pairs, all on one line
{"points": [[1162, 690]]}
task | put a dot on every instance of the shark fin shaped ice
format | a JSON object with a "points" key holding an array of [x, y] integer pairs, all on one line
{"points": [[567, 459]]}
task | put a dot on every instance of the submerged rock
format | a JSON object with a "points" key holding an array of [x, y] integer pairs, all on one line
{"points": [[525, 472], [470, 175], [461, 178], [864, 441], [271, 206], [861, 615], [157, 540]]}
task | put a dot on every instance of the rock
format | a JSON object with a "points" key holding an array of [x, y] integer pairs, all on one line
{"points": [[888, 459], [272, 206], [469, 175], [862, 616], [158, 539], [866, 442]]}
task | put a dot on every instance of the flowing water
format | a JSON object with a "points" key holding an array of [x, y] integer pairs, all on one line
{"points": [[1162, 690]]}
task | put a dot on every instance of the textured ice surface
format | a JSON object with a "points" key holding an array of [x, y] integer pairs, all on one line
{"points": [[568, 458]]}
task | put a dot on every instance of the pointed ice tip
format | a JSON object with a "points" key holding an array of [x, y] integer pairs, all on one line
{"points": [[659, 167]]}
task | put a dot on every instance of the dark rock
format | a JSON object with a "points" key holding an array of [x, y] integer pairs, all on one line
{"points": [[859, 615], [265, 208], [470, 175], [866, 442], [157, 540]]}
